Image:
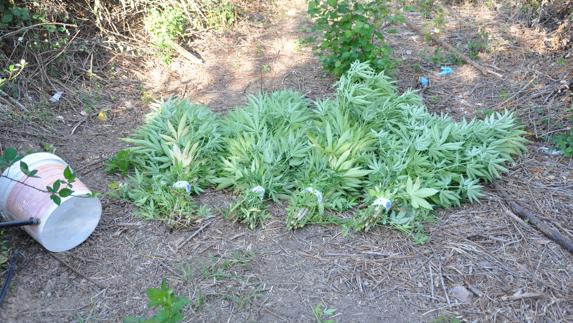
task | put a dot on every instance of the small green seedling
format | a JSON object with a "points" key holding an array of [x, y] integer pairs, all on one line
{"points": [[323, 314], [169, 306]]}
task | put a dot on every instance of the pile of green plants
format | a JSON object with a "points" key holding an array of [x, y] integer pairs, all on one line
{"points": [[368, 145]]}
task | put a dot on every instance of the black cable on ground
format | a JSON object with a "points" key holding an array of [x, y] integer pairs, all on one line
{"points": [[9, 275]]}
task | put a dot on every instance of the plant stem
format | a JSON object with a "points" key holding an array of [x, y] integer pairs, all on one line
{"points": [[24, 183], [37, 189]]}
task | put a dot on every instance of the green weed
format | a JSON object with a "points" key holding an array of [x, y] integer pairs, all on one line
{"points": [[503, 94], [323, 314], [479, 44], [235, 287], [11, 72], [221, 15], [165, 26], [177, 144], [368, 144], [224, 268], [120, 163], [441, 58], [564, 141], [304, 42], [169, 306]]}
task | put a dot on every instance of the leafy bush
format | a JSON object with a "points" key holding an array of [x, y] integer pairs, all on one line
{"points": [[165, 26], [352, 32], [11, 73], [13, 15]]}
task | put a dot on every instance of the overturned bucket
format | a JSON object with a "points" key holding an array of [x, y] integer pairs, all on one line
{"points": [[62, 227]]}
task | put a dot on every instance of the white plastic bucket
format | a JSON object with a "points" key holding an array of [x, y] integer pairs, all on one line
{"points": [[62, 227]]}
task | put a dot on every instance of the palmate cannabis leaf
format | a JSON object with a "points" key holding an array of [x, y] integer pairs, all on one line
{"points": [[178, 142], [418, 195]]}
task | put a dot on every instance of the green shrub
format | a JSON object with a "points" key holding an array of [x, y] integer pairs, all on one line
{"points": [[165, 26], [351, 32], [13, 15]]}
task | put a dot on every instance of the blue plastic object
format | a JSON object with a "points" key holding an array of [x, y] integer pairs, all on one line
{"points": [[446, 70], [424, 82]]}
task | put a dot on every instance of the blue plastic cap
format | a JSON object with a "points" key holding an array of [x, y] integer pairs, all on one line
{"points": [[446, 70]]}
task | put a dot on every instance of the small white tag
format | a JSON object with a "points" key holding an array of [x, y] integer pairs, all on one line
{"points": [[384, 202], [259, 190], [316, 193], [56, 97], [182, 185]]}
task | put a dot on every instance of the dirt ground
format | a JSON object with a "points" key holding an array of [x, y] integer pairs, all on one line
{"points": [[509, 270]]}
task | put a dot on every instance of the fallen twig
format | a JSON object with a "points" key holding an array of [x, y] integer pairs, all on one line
{"points": [[454, 50], [75, 271], [529, 216], [187, 54], [201, 228], [34, 26], [77, 125], [519, 296], [13, 101]]}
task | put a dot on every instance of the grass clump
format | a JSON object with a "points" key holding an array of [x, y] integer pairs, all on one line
{"points": [[221, 15]]}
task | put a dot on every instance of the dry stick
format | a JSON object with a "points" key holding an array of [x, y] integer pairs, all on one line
{"points": [[13, 101], [522, 296], [525, 214], [34, 26], [206, 224], [444, 285], [75, 271], [454, 50], [187, 54]]}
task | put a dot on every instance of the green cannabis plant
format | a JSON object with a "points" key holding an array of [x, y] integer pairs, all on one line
{"points": [[177, 144], [265, 144]]}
